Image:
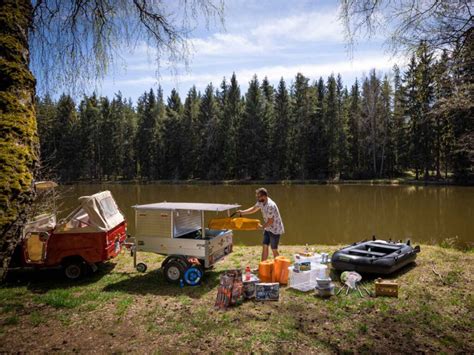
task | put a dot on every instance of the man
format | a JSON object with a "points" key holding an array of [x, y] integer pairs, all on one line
{"points": [[273, 225]]}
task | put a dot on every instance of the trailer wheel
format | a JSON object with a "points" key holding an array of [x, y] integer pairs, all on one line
{"points": [[74, 270], [173, 271], [141, 267]]}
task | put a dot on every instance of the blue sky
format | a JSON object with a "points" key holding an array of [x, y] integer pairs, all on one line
{"points": [[268, 38]]}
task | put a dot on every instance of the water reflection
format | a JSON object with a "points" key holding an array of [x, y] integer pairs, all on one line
{"points": [[325, 214]]}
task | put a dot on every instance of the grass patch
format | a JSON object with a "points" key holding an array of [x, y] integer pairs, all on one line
{"points": [[36, 318], [11, 320], [59, 299], [123, 305]]}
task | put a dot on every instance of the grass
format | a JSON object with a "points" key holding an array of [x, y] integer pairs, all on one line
{"points": [[119, 310]]}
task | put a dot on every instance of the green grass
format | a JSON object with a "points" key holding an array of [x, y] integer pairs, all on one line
{"points": [[11, 320], [432, 314], [59, 299], [123, 305], [36, 318]]}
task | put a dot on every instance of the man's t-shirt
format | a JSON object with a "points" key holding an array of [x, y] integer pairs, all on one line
{"points": [[270, 210]]}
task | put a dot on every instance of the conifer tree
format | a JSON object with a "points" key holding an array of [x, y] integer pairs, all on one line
{"points": [[371, 124], [146, 142], [190, 138], [386, 128], [250, 147], [45, 113], [400, 143], [354, 136], [231, 117], [443, 120], [320, 155], [89, 137], [280, 133], [425, 98], [412, 111], [65, 139], [211, 149], [267, 122], [171, 138], [331, 123], [302, 111]]}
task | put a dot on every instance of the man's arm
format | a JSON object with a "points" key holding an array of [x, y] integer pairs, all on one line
{"points": [[268, 223], [250, 210]]}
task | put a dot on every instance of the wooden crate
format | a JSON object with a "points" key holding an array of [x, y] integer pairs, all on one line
{"points": [[386, 288]]}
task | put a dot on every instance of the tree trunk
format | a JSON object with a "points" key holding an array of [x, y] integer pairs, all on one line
{"points": [[18, 138]]}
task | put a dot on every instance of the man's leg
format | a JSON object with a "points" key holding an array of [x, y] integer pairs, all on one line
{"points": [[264, 252], [275, 240], [265, 244]]}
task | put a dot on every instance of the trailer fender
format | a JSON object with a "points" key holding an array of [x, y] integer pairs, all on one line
{"points": [[183, 260]]}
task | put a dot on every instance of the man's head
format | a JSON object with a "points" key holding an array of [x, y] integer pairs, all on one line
{"points": [[261, 194]]}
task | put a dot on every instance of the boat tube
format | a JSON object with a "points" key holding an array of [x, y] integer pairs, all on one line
{"points": [[375, 256]]}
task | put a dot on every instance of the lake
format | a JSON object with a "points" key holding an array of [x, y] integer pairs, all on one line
{"points": [[322, 214]]}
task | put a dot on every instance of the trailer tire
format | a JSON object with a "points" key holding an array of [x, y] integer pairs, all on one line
{"points": [[74, 269], [173, 271]]}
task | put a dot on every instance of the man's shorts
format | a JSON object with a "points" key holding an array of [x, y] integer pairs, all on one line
{"points": [[271, 239]]}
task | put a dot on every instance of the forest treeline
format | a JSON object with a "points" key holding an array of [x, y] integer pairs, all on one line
{"points": [[378, 127]]}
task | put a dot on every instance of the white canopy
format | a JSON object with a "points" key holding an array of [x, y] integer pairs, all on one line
{"points": [[97, 213], [190, 206]]}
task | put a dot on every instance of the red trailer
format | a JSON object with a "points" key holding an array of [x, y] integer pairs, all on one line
{"points": [[94, 232]]}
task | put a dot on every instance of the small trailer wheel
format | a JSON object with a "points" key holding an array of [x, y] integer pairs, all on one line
{"points": [[141, 267]]}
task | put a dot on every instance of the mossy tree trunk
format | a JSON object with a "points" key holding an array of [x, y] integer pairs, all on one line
{"points": [[18, 138]]}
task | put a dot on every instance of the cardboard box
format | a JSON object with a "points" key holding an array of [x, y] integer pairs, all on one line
{"points": [[267, 291], [249, 287]]}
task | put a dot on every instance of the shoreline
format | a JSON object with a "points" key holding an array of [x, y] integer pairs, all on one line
{"points": [[369, 182]]}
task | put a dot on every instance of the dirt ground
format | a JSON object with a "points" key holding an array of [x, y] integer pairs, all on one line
{"points": [[120, 310]]}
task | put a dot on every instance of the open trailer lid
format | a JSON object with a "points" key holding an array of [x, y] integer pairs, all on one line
{"points": [[98, 212], [191, 206]]}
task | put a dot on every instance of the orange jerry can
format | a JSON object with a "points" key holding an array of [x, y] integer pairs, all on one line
{"points": [[265, 271], [280, 269]]}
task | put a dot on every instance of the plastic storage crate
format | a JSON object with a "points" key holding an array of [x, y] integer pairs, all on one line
{"points": [[315, 258], [306, 280]]}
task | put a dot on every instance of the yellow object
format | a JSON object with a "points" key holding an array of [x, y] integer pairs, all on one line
{"points": [[35, 248], [238, 223], [280, 269], [265, 271]]}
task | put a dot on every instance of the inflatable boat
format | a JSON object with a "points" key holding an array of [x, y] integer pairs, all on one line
{"points": [[375, 256]]}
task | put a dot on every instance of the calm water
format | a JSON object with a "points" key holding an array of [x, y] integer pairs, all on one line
{"points": [[324, 214]]}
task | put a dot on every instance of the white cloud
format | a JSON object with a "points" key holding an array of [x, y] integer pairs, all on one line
{"points": [[273, 34], [312, 26], [225, 44], [274, 73]]}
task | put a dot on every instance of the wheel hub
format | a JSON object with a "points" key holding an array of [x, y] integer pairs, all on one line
{"points": [[173, 273]]}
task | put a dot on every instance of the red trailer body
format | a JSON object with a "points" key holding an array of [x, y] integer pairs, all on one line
{"points": [[93, 233]]}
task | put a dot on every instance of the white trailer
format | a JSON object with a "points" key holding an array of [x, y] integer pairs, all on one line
{"points": [[177, 229]]}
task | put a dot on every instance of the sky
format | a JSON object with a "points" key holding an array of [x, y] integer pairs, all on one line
{"points": [[272, 38]]}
